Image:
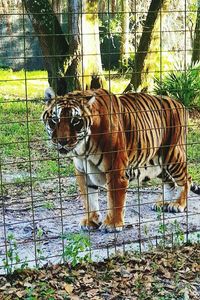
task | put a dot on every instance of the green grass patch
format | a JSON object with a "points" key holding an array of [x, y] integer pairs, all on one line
{"points": [[116, 83], [19, 125], [51, 169], [23, 84], [193, 149], [32, 84], [194, 172]]}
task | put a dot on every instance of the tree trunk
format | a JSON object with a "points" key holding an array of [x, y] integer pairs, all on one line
{"points": [[6, 10], [56, 4], [144, 45], [74, 62], [52, 41], [91, 66], [73, 72], [113, 6], [124, 48], [196, 41]]}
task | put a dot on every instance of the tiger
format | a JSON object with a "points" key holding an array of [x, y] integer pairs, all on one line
{"points": [[116, 139]]}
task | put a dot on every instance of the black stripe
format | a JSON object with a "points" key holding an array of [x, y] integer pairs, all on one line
{"points": [[100, 161], [95, 187]]}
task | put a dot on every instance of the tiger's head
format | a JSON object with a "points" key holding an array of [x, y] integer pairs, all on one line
{"points": [[68, 118]]}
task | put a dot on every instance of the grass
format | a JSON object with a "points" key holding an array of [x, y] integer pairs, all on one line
{"points": [[21, 84], [24, 145], [31, 84], [117, 83], [193, 149]]}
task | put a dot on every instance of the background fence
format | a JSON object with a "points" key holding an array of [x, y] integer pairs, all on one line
{"points": [[142, 42]]}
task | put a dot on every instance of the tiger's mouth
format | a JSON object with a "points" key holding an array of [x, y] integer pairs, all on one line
{"points": [[63, 151]]}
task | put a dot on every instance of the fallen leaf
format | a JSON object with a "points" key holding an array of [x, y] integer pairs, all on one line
{"points": [[20, 294], [165, 272], [68, 288], [29, 285], [74, 297], [87, 279]]}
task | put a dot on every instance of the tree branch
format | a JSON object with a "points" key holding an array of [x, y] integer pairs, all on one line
{"points": [[144, 44]]}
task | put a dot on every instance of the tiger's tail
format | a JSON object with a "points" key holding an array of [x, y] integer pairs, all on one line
{"points": [[195, 188]]}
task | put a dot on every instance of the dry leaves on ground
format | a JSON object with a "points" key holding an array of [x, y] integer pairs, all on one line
{"points": [[160, 275]]}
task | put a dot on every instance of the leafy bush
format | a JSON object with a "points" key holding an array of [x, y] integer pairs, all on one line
{"points": [[76, 248], [182, 85]]}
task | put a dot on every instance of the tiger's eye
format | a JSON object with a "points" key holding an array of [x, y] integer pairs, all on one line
{"points": [[77, 123], [55, 118]]}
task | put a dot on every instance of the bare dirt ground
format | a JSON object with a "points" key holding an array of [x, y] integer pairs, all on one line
{"points": [[39, 214]]}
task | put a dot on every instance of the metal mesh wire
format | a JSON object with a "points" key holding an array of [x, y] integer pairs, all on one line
{"points": [[40, 203]]}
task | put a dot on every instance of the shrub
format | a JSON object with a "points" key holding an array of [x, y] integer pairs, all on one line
{"points": [[76, 248], [182, 85]]}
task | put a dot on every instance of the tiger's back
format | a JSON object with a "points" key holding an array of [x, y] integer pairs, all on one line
{"points": [[155, 129]]}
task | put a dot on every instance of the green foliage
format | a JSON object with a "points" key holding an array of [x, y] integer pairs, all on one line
{"points": [[182, 85], [166, 229], [193, 152], [12, 261], [46, 292], [72, 189], [49, 205], [30, 294], [127, 69], [179, 235], [76, 248]]}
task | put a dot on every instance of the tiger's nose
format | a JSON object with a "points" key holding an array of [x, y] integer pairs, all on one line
{"points": [[63, 142]]}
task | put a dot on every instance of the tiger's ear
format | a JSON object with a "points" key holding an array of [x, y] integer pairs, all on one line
{"points": [[49, 95]]}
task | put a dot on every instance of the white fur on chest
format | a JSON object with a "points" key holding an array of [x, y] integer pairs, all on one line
{"points": [[95, 176]]}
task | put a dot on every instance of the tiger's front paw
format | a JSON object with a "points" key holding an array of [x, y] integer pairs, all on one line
{"points": [[109, 225], [92, 222]]}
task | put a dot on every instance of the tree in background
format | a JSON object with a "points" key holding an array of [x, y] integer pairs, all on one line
{"points": [[5, 4], [124, 49], [90, 42], [146, 49], [72, 54], [196, 41], [71, 60], [54, 46]]}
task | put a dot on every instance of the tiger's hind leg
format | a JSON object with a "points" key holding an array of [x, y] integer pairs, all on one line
{"points": [[164, 200], [175, 195], [173, 199], [180, 202], [89, 194]]}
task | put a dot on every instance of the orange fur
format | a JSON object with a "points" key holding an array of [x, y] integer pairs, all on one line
{"points": [[131, 131]]}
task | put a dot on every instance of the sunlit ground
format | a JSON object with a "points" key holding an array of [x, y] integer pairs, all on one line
{"points": [[23, 84], [31, 84]]}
